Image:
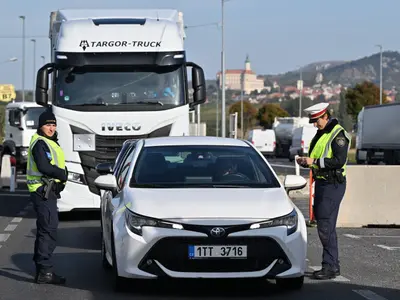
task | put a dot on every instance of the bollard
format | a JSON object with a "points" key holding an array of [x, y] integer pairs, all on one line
{"points": [[13, 177], [311, 221]]}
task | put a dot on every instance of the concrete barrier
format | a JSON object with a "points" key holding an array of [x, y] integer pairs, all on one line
{"points": [[372, 196]]}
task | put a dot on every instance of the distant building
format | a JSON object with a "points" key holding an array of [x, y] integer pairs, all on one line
{"points": [[233, 79]]}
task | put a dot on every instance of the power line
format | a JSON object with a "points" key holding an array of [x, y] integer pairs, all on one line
{"points": [[26, 37]]}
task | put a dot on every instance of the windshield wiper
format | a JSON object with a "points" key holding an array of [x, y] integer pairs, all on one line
{"points": [[149, 102], [91, 104]]}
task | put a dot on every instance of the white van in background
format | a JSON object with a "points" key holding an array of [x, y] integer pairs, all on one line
{"points": [[301, 140], [264, 140]]}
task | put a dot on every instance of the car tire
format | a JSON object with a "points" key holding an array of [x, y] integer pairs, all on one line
{"points": [[106, 265], [118, 282], [290, 283]]}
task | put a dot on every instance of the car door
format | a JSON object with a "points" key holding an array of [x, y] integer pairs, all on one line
{"points": [[112, 199], [106, 196]]}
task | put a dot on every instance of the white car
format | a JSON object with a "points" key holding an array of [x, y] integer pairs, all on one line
{"points": [[200, 207]]}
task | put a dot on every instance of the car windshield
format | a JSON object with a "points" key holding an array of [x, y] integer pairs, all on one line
{"points": [[138, 87], [202, 166], [32, 117]]}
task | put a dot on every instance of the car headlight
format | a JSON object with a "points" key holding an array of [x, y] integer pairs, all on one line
{"points": [[135, 222], [75, 177], [290, 221]]}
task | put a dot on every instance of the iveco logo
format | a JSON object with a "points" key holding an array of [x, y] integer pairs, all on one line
{"points": [[217, 232], [122, 126]]}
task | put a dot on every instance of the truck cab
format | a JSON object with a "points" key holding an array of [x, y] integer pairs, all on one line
{"points": [[115, 75], [21, 122]]}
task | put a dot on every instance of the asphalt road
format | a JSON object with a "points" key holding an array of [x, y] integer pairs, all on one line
{"points": [[369, 258]]}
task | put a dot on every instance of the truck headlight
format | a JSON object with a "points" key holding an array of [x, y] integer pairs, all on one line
{"points": [[75, 177], [135, 222], [290, 221]]}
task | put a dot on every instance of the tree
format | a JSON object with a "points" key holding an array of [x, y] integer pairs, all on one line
{"points": [[363, 94], [268, 112], [249, 114]]}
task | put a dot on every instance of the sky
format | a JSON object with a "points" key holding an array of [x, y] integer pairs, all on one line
{"points": [[278, 36]]}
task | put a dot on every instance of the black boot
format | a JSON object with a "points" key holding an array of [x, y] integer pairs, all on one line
{"points": [[326, 273], [49, 278]]}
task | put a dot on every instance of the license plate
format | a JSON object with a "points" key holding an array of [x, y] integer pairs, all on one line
{"points": [[217, 251]]}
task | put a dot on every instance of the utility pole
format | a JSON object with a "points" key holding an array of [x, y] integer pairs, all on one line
{"points": [[380, 75], [223, 117], [23, 57], [34, 68]]}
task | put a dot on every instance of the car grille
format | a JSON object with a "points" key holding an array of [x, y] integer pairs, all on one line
{"points": [[107, 149], [172, 253]]}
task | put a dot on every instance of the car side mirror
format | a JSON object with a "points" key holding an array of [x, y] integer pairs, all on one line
{"points": [[106, 182], [294, 182], [105, 168]]}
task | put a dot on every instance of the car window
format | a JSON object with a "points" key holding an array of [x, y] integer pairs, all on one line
{"points": [[126, 147], [124, 167], [202, 166]]}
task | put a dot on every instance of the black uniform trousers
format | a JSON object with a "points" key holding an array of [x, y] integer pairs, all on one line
{"points": [[327, 199], [46, 231]]}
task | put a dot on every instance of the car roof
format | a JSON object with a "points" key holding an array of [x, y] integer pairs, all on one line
{"points": [[193, 141]]}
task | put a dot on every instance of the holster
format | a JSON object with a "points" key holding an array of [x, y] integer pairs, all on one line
{"points": [[331, 176]]}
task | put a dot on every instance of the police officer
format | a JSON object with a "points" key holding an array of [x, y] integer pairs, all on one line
{"points": [[328, 159], [46, 175]]}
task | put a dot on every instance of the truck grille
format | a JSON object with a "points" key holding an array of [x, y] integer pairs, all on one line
{"points": [[107, 149]]}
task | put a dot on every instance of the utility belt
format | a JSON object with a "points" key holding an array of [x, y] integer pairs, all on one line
{"points": [[331, 176]]}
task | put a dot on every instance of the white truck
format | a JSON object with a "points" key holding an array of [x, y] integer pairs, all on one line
{"points": [[115, 75], [284, 128], [378, 137], [21, 122]]}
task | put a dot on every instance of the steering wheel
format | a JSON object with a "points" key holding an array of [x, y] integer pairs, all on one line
{"points": [[235, 177]]}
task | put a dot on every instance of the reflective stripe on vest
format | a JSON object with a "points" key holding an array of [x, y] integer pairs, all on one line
{"points": [[33, 175], [323, 148]]}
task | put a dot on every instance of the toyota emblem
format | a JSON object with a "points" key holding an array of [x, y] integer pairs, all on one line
{"points": [[217, 232]]}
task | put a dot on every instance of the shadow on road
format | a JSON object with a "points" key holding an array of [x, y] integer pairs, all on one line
{"points": [[84, 272]]}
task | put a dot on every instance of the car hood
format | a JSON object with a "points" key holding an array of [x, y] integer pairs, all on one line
{"points": [[236, 203]]}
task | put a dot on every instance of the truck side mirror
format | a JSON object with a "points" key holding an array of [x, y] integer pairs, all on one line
{"points": [[42, 84], [198, 84]]}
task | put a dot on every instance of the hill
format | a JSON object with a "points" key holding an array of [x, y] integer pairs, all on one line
{"points": [[346, 73]]}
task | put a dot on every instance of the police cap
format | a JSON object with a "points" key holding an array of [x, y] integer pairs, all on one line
{"points": [[316, 111]]}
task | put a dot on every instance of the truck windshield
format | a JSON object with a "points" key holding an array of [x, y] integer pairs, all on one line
{"points": [[32, 117], [146, 88]]}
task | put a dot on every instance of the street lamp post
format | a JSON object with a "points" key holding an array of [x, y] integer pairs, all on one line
{"points": [[223, 120], [241, 103], [23, 57], [34, 68]]}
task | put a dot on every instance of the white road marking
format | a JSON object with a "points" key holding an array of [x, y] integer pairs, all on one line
{"points": [[4, 237], [352, 236], [370, 295], [11, 227], [371, 236], [16, 220], [282, 166], [339, 278], [387, 247]]}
